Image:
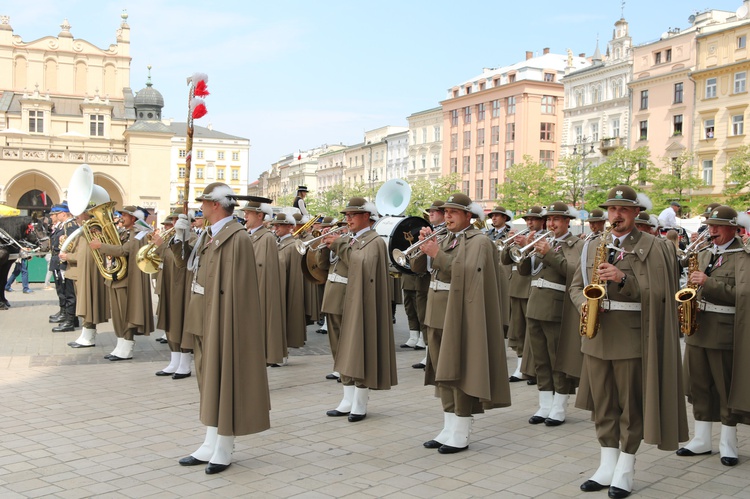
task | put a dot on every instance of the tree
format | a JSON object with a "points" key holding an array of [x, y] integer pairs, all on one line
{"points": [[622, 166], [527, 184], [570, 177], [424, 192], [675, 182], [737, 173], [329, 202]]}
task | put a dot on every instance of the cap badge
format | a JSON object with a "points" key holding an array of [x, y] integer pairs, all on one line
{"points": [[715, 214], [618, 194], [450, 199]]}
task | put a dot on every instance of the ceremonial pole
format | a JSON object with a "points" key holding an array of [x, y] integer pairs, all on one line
{"points": [[198, 84]]}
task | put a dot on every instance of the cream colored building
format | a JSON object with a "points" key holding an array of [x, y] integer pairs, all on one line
{"points": [[425, 144], [722, 99]]}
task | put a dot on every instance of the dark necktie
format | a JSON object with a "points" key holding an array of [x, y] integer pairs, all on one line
{"points": [[710, 266], [613, 252]]}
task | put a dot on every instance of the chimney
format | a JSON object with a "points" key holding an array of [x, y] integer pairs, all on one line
{"points": [[545, 51], [529, 54], [582, 55]]}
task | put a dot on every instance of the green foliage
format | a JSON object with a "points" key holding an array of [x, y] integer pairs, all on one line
{"points": [[737, 173], [424, 192], [622, 166], [676, 182], [527, 184], [570, 177]]}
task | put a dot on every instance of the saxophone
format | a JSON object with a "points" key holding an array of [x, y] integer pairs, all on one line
{"points": [[687, 310], [595, 291]]}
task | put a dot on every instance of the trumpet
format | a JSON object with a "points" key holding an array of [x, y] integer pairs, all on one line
{"points": [[702, 242], [303, 246], [519, 254], [502, 244], [413, 251]]}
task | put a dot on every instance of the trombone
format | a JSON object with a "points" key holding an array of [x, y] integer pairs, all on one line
{"points": [[307, 225], [303, 246], [413, 251], [502, 244], [519, 254]]}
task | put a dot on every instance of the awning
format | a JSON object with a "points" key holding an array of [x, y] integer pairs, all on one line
{"points": [[8, 211]]}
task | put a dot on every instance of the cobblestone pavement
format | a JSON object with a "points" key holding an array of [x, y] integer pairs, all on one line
{"points": [[75, 425]]}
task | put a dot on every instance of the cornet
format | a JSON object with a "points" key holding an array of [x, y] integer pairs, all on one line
{"points": [[413, 251], [303, 246], [504, 242], [519, 254]]}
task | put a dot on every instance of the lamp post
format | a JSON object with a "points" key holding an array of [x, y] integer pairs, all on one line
{"points": [[372, 177], [581, 149]]}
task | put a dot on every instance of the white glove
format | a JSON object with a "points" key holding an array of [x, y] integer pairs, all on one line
{"points": [[182, 229]]}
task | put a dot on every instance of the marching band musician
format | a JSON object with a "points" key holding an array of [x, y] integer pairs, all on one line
{"points": [[269, 279], [64, 285], [173, 283], [630, 378], [292, 286], [466, 359], [716, 379], [647, 223], [366, 356], [500, 228], [228, 339], [92, 297], [312, 300], [550, 316], [416, 287], [597, 219], [129, 298]]}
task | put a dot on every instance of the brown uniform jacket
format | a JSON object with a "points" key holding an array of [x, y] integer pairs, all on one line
{"points": [[333, 298], [269, 280], [293, 293], [92, 299]]}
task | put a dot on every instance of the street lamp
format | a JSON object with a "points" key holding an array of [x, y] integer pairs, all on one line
{"points": [[372, 177], [584, 151]]}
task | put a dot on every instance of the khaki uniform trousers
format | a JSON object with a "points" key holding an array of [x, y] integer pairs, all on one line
{"points": [[118, 304], [544, 337], [709, 383]]}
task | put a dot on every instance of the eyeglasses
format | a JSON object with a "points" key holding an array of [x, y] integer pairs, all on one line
{"points": [[352, 215]]}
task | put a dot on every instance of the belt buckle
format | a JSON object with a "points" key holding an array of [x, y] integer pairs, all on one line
{"points": [[605, 305]]}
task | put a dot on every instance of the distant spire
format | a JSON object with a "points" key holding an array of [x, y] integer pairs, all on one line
{"points": [[622, 10], [597, 57], [148, 82]]}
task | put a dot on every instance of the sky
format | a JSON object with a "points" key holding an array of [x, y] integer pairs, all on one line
{"points": [[290, 75]]}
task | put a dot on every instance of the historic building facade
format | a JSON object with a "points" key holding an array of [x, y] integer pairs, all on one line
{"points": [[425, 144]]}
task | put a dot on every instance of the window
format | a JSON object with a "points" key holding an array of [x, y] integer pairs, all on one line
{"points": [[465, 185], [579, 98], [510, 105], [739, 82], [495, 108], [183, 153], [199, 173], [413, 136], [199, 154], [436, 130], [181, 172], [511, 78], [668, 55], [36, 121], [547, 131], [96, 125], [644, 130], [495, 135], [479, 190], [615, 126], [677, 125], [678, 93], [181, 194], [510, 132], [548, 104], [738, 124], [657, 58], [710, 88], [708, 128], [708, 171], [454, 118], [596, 94], [509, 158], [578, 132], [494, 160], [467, 164], [467, 115], [454, 141], [480, 137], [493, 188], [467, 139], [436, 162], [424, 135], [617, 89], [594, 132], [235, 174], [235, 156], [741, 42], [480, 162], [454, 165], [644, 99], [220, 174], [549, 77], [547, 158], [480, 112], [220, 155]]}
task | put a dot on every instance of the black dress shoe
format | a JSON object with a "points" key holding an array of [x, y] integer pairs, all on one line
{"points": [[181, 375], [353, 418], [432, 444], [108, 356], [191, 461], [321, 322], [322, 331], [331, 376], [592, 486], [418, 365], [115, 358], [163, 373], [64, 327], [416, 347], [406, 346], [617, 492], [57, 320], [163, 341], [729, 461], [537, 420], [73, 344], [552, 422], [685, 452], [336, 414], [531, 381], [55, 316], [514, 379], [447, 449], [212, 468]]}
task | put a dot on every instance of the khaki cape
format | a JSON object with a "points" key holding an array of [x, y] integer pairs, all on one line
{"points": [[269, 281]]}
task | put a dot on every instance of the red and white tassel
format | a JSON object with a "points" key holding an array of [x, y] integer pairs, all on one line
{"points": [[198, 108]]}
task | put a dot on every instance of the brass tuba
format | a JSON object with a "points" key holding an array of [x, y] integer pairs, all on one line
{"points": [[84, 195]]}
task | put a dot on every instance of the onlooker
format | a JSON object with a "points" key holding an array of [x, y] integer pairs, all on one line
{"points": [[21, 267], [667, 217]]}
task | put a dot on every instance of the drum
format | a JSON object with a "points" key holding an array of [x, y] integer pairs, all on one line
{"points": [[400, 233]]}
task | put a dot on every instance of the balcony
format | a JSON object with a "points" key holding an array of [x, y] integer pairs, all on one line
{"points": [[610, 143]]}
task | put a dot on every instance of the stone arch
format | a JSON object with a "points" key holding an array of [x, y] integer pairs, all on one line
{"points": [[112, 186], [50, 75], [20, 69], [110, 83], [27, 181], [81, 77]]}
